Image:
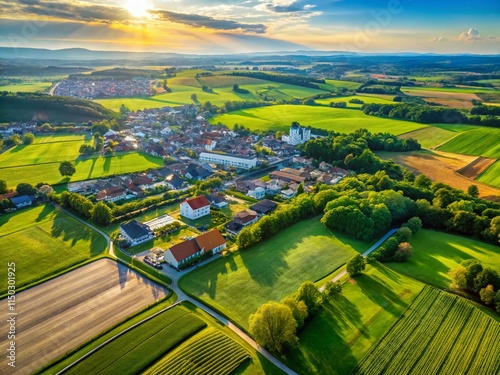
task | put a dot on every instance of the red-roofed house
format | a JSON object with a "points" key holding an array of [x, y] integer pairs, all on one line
{"points": [[195, 208], [181, 253]]}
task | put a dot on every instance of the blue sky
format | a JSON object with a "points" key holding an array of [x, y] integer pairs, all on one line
{"points": [[230, 26]]}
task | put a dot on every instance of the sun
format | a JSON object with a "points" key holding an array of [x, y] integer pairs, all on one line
{"points": [[138, 8]]}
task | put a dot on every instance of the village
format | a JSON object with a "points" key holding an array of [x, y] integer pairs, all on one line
{"points": [[105, 88]]}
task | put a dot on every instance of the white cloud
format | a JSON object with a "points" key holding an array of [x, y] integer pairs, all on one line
{"points": [[472, 34], [439, 39]]}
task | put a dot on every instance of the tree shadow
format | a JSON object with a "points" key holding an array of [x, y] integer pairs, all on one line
{"points": [[265, 268], [322, 347], [107, 164], [204, 279], [47, 210], [380, 293]]}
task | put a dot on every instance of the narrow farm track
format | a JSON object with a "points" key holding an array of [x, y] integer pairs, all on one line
{"points": [[65, 312]]}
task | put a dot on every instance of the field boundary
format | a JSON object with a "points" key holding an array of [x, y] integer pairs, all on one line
{"points": [[482, 162], [116, 336]]}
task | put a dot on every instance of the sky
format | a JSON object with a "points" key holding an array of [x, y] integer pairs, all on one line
{"points": [[233, 26]]}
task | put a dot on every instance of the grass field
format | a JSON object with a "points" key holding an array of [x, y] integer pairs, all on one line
{"points": [[27, 87], [435, 253], [491, 176], [436, 135], [460, 90], [68, 311], [280, 117], [439, 334], [210, 352], [95, 167], [347, 84], [45, 150], [481, 141], [183, 87], [366, 99], [237, 285], [43, 241], [347, 327]]}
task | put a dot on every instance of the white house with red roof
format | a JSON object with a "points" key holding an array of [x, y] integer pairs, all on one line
{"points": [[194, 208]]}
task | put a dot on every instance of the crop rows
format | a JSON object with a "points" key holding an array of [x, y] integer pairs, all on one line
{"points": [[133, 351], [439, 334], [209, 352]]}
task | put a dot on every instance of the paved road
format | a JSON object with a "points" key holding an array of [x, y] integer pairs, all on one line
{"points": [[51, 91], [184, 297], [372, 248]]}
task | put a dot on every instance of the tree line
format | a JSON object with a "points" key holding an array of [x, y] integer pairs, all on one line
{"points": [[281, 78]]}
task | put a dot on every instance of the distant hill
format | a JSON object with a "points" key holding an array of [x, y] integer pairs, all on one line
{"points": [[40, 107]]}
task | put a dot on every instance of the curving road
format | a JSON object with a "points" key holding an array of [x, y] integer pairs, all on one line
{"points": [[184, 297], [372, 248]]}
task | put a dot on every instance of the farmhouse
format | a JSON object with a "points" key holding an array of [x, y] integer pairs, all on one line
{"points": [[22, 201], [135, 232], [217, 200], [264, 207], [241, 220], [195, 208], [182, 253], [229, 160], [287, 177], [112, 194]]}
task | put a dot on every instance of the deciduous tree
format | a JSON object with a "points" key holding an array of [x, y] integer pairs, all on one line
{"points": [[66, 168], [25, 189], [356, 265], [101, 214], [311, 296], [3, 186], [273, 327], [487, 294], [28, 138]]}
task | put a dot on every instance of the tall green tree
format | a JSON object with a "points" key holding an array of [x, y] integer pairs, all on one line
{"points": [[311, 296], [102, 214], [298, 308], [28, 138], [25, 189], [473, 191], [273, 327], [66, 168], [356, 265], [3, 187]]}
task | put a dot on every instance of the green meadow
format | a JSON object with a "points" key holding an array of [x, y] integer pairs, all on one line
{"points": [[335, 340], [185, 86], [437, 134], [491, 176], [94, 167], [238, 284], [366, 100], [27, 87], [435, 253], [43, 241], [280, 117], [480, 141]]}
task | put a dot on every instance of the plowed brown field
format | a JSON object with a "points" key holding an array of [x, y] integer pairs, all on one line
{"points": [[61, 314]]}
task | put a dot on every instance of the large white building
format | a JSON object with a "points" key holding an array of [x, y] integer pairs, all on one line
{"points": [[298, 134], [232, 161], [195, 208]]}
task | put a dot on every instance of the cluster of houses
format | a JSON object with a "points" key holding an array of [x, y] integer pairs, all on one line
{"points": [[105, 88], [173, 177], [286, 181]]}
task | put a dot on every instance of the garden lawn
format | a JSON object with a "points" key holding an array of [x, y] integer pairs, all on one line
{"points": [[347, 327], [94, 167], [280, 117], [482, 141], [237, 285], [491, 176], [435, 253], [43, 241]]}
